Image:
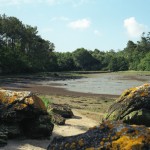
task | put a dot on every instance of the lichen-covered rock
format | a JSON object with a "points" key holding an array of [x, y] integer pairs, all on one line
{"points": [[107, 136], [58, 119], [62, 109], [23, 114], [132, 107]]}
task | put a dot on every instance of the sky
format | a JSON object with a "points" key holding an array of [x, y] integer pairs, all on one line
{"points": [[89, 24]]}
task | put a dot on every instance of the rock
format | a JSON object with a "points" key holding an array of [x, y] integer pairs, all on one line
{"points": [[132, 107], [58, 119], [12, 130], [3, 137], [23, 114], [40, 127], [62, 109], [108, 136]]}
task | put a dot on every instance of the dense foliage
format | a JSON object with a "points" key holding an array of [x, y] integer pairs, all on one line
{"points": [[22, 50]]}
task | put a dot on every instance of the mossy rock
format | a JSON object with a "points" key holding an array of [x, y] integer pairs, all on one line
{"points": [[139, 116], [132, 107], [23, 114]]}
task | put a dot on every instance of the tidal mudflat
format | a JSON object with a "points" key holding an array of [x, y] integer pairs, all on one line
{"points": [[97, 83], [103, 83]]}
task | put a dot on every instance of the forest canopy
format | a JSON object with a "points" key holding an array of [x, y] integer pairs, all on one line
{"points": [[22, 50]]}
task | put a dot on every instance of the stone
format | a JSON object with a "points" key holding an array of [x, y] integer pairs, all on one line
{"points": [[3, 137], [12, 130], [58, 119], [39, 128], [132, 107], [110, 135], [62, 109], [23, 114]]}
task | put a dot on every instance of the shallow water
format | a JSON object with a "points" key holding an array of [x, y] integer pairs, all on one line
{"points": [[106, 83], [102, 83]]}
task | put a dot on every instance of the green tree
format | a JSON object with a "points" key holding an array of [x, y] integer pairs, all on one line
{"points": [[21, 48], [145, 63], [84, 60], [65, 61], [118, 63]]}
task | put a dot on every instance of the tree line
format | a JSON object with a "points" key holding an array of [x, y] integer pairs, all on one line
{"points": [[22, 50]]}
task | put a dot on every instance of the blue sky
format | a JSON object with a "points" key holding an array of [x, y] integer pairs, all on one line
{"points": [[72, 24]]}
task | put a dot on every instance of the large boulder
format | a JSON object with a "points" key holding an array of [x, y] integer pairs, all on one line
{"points": [[132, 107], [23, 114], [107, 136]]}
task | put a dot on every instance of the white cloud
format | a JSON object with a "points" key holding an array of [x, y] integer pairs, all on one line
{"points": [[80, 24], [134, 29], [98, 33]]}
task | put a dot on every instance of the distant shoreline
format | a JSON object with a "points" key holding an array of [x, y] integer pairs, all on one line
{"points": [[44, 83], [50, 90]]}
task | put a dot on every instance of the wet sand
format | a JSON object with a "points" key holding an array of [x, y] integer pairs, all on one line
{"points": [[51, 90]]}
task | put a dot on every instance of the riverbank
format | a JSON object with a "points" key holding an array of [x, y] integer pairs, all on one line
{"points": [[89, 108]]}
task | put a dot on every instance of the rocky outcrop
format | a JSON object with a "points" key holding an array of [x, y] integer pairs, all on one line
{"points": [[61, 109], [107, 136], [132, 107], [23, 114]]}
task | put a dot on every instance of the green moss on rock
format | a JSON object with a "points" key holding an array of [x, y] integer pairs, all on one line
{"points": [[132, 107]]}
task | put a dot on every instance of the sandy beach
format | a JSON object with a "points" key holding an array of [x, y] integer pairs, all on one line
{"points": [[78, 124]]}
